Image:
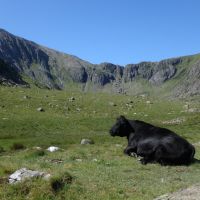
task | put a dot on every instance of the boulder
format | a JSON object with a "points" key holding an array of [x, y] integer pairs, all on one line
{"points": [[24, 173]]}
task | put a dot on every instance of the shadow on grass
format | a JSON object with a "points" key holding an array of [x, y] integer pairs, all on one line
{"points": [[196, 161]]}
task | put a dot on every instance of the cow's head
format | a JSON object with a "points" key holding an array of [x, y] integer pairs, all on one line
{"points": [[121, 128]]}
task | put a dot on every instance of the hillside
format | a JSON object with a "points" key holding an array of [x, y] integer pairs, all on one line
{"points": [[178, 77]]}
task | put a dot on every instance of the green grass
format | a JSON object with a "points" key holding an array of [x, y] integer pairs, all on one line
{"points": [[103, 172]]}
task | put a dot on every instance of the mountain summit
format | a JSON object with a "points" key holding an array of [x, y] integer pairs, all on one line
{"points": [[20, 58]]}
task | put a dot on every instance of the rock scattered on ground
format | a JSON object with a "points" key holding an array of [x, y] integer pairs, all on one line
{"points": [[118, 145], [128, 105], [191, 193], [57, 161], [52, 149], [24, 173], [26, 97], [197, 144], [71, 99], [186, 106], [193, 110], [79, 160], [148, 102], [174, 121], [87, 141], [37, 148], [112, 104], [40, 109]]}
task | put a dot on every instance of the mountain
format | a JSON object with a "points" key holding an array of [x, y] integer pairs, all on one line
{"points": [[23, 61]]}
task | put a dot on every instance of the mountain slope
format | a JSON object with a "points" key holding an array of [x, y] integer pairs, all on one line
{"points": [[53, 69]]}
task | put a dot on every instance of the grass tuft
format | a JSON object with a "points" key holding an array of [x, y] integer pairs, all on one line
{"points": [[60, 181], [17, 146]]}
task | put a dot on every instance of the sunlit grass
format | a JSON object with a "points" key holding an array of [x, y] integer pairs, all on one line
{"points": [[101, 170]]}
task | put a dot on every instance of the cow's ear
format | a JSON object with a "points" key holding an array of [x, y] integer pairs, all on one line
{"points": [[122, 118]]}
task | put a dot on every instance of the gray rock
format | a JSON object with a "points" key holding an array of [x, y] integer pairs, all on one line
{"points": [[78, 109], [191, 193], [186, 106], [40, 109], [24, 173], [25, 97], [87, 141], [193, 110]]}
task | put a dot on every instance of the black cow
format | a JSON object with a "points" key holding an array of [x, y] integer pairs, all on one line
{"points": [[153, 144]]}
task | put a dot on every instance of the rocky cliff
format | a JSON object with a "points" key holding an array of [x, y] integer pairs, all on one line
{"points": [[53, 69]]}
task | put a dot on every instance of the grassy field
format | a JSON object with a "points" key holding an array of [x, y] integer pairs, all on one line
{"points": [[101, 170]]}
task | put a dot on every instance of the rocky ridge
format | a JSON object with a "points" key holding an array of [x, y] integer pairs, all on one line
{"points": [[56, 70]]}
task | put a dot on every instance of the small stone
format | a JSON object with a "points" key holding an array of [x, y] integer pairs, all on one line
{"points": [[46, 177], [112, 104], [4, 118], [37, 148], [26, 97], [71, 99], [52, 149], [79, 160], [78, 109], [87, 141], [186, 106], [40, 109]]}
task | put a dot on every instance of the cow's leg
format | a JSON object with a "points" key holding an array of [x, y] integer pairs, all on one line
{"points": [[131, 151], [146, 152], [160, 155]]}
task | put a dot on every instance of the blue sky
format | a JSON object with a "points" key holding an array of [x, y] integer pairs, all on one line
{"points": [[117, 31]]}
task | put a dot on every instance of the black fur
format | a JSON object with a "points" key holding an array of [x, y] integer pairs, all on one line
{"points": [[153, 144]]}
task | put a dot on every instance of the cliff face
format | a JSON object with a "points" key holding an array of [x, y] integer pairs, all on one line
{"points": [[53, 69], [9, 75]]}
